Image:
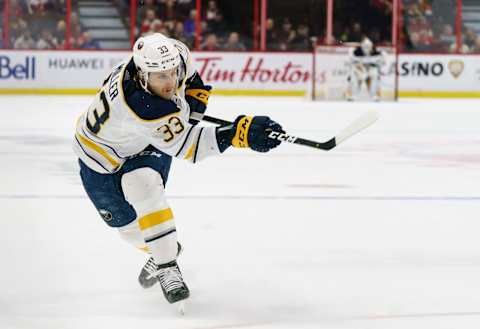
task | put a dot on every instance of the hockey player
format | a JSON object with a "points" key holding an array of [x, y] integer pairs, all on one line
{"points": [[144, 114], [365, 64]]}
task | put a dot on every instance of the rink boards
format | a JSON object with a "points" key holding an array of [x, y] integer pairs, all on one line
{"points": [[248, 73]]}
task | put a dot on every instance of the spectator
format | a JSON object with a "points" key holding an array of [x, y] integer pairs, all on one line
{"points": [[146, 25], [184, 8], [168, 11], [469, 37], [218, 26], [212, 11], [301, 41], [233, 43], [447, 38], [189, 24], [286, 35], [271, 34], [463, 48], [179, 34], [17, 27], [47, 40], [356, 35], [417, 44], [211, 43], [17, 9], [476, 46], [75, 28], [59, 33], [24, 41], [87, 42]]}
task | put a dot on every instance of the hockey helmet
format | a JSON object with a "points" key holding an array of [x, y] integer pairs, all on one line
{"points": [[154, 53], [367, 46]]}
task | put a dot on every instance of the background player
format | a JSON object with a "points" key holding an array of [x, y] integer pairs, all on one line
{"points": [[365, 62], [145, 113]]}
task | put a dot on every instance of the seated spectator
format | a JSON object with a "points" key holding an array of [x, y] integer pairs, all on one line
{"points": [[301, 41], [146, 25], [447, 38], [211, 43], [59, 33], [179, 34], [168, 11], [212, 10], [189, 24], [271, 35], [47, 40], [356, 34], [418, 44], [17, 9], [286, 35], [17, 27], [75, 28], [470, 37], [24, 41], [476, 46], [170, 26], [184, 8], [87, 42], [463, 48], [218, 26], [233, 43]]}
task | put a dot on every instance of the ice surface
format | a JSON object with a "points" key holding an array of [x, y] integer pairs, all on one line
{"points": [[381, 232]]}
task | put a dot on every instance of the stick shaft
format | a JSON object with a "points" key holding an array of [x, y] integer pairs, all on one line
{"points": [[356, 126]]}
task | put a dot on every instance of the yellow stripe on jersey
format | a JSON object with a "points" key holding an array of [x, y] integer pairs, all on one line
{"points": [[155, 218], [190, 152], [97, 149]]}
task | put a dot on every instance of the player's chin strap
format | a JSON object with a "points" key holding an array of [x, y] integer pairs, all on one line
{"points": [[355, 127]]}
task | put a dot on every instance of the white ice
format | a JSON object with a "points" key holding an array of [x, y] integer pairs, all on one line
{"points": [[380, 233]]}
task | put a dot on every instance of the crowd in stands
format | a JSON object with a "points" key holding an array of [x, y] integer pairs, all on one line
{"points": [[428, 26], [177, 19], [41, 24]]}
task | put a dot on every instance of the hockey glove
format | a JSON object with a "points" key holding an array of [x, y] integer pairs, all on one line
{"points": [[196, 95], [253, 133]]}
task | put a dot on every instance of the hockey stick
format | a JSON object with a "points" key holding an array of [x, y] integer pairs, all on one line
{"points": [[356, 126]]}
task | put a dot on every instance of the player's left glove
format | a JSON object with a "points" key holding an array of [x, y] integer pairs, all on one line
{"points": [[196, 95], [249, 132]]}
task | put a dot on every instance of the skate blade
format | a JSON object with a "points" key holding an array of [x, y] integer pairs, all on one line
{"points": [[181, 307]]}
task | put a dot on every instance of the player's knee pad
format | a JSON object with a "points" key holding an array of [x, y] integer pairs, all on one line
{"points": [[144, 190]]}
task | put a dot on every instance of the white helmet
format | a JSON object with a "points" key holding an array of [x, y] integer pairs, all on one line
{"points": [[154, 53], [367, 46]]}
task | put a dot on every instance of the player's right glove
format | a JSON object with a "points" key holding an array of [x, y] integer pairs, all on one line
{"points": [[249, 132]]}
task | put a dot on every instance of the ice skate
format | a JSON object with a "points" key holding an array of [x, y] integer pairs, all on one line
{"points": [[147, 279], [171, 281]]}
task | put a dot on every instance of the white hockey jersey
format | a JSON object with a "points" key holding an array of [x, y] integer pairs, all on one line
{"points": [[376, 58], [123, 120]]}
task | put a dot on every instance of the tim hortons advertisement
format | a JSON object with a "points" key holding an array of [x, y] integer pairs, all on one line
{"points": [[255, 71]]}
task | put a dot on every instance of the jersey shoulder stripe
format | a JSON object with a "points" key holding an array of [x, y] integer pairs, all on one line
{"points": [[144, 105]]}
